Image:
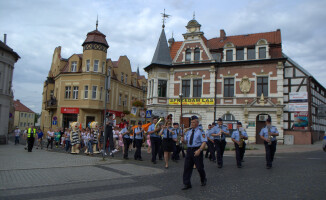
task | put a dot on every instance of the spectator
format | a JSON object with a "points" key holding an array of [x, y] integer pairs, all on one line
{"points": [[17, 135], [39, 138]]}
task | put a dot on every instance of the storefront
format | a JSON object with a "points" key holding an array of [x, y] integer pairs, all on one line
{"points": [[69, 115]]}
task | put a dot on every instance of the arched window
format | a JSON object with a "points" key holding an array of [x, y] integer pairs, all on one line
{"points": [[197, 54], [188, 55], [228, 117]]}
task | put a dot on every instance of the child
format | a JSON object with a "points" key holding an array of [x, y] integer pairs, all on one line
{"points": [[57, 137]]}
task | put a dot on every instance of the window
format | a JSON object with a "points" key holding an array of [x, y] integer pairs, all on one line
{"points": [[162, 88], [229, 55], [186, 88], [29, 115], [94, 92], [86, 92], [75, 92], [197, 88], [73, 66], [152, 87], [188, 55], [25, 115], [262, 86], [21, 114], [240, 54], [101, 90], [67, 92], [24, 123], [103, 66], [122, 77], [96, 65], [87, 65], [262, 52], [228, 117], [228, 87], [251, 54], [21, 124], [197, 54], [126, 100], [120, 96], [126, 80]]}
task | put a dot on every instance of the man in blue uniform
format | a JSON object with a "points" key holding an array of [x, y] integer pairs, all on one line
{"points": [[240, 146], [155, 139], [219, 134], [126, 140], [210, 142], [176, 145], [268, 134], [196, 139], [138, 133]]}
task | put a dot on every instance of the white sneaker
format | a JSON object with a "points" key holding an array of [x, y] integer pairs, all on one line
{"points": [[105, 154]]}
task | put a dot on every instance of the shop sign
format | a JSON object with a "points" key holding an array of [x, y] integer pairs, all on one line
{"points": [[298, 107], [298, 96], [69, 110], [192, 101]]}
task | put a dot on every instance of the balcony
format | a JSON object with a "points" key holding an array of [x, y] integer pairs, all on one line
{"points": [[51, 104]]}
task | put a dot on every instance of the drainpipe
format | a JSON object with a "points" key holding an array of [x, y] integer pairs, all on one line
{"points": [[215, 93]]}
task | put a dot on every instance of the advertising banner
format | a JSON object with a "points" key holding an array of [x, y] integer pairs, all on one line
{"points": [[192, 101], [300, 120]]}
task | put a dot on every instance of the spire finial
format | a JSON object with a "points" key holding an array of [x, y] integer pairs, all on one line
{"points": [[164, 16], [172, 34], [96, 22], [194, 15]]}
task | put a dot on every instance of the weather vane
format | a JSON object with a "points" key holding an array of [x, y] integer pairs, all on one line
{"points": [[164, 16], [96, 22]]}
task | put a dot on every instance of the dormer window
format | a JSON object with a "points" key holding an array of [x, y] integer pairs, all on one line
{"points": [[262, 52], [188, 55], [197, 54], [229, 55], [74, 66], [240, 54], [251, 54]]}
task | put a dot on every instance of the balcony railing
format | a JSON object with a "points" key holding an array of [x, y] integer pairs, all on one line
{"points": [[51, 104]]}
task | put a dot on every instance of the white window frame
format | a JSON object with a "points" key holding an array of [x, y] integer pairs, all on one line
{"points": [[88, 65], [96, 63], [75, 92], [73, 66], [67, 91], [94, 91], [86, 92]]}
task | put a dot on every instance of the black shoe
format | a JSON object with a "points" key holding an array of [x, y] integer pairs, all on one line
{"points": [[204, 182], [154, 162], [186, 187], [220, 166], [239, 166]]}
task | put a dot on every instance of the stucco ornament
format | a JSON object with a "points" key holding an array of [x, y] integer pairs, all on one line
{"points": [[245, 85]]}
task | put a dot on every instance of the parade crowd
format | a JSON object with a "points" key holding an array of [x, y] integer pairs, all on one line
{"points": [[164, 140]]}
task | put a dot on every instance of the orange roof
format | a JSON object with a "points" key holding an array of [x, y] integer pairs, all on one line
{"points": [[174, 49], [97, 37], [21, 107]]}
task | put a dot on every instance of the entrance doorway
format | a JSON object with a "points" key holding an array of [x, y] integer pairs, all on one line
{"points": [[260, 123], [67, 119], [89, 119], [185, 121]]}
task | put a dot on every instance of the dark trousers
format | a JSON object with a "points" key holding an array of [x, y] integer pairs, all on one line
{"points": [[270, 152], [155, 143], [16, 140], [160, 151], [175, 155], [220, 147], [126, 143], [67, 145], [190, 160], [109, 135], [211, 150], [30, 142], [239, 153], [138, 143], [50, 141]]}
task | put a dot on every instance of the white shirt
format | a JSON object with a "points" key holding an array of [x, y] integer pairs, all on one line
{"points": [[116, 134], [17, 132], [50, 134]]}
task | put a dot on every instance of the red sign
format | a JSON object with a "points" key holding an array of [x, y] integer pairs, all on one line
{"points": [[69, 110], [117, 113]]}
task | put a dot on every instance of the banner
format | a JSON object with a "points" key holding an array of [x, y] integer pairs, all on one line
{"points": [[300, 120], [192, 101], [298, 96], [298, 107], [133, 111]]}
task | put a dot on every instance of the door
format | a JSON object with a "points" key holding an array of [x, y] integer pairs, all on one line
{"points": [[185, 121], [67, 119], [260, 123], [89, 119]]}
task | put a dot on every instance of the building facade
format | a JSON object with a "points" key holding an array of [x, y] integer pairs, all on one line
{"points": [[24, 117], [8, 58], [237, 78], [75, 87]]}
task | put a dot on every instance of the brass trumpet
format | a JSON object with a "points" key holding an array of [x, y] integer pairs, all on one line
{"points": [[158, 125]]}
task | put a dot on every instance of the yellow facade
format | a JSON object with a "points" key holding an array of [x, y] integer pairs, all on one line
{"points": [[24, 119], [75, 87]]}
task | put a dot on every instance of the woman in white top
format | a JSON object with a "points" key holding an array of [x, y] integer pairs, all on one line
{"points": [[50, 138]]}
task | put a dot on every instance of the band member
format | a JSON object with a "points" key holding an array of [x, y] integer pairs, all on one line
{"points": [[138, 132], [268, 134], [177, 144], [169, 139], [238, 137], [195, 139], [219, 139], [126, 140], [210, 142], [155, 139]]}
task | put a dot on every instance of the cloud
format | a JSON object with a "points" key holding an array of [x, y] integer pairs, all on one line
{"points": [[132, 28]]}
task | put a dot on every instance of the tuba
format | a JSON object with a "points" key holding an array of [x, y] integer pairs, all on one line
{"points": [[158, 125], [241, 139]]}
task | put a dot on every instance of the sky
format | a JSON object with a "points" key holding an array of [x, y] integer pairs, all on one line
{"points": [[35, 27]]}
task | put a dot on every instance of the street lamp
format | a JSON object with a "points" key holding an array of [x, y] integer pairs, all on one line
{"points": [[181, 95]]}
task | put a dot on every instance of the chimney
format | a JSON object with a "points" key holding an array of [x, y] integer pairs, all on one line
{"points": [[5, 38], [222, 34]]}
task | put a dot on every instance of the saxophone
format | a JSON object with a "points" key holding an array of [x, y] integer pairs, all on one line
{"points": [[241, 139], [269, 135]]}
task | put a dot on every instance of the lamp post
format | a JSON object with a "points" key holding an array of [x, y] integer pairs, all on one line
{"points": [[181, 95], [106, 100]]}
